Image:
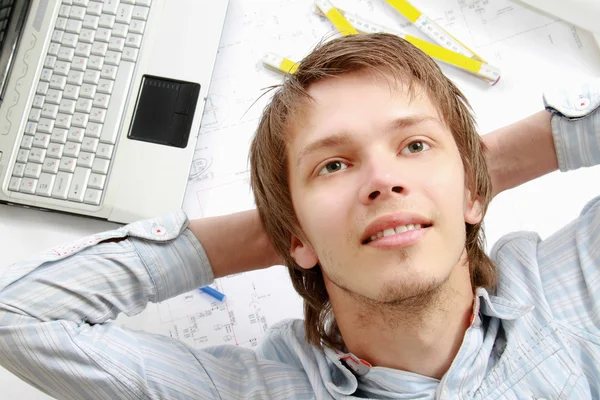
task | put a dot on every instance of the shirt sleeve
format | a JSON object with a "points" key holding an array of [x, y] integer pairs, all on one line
{"points": [[569, 260], [56, 312], [575, 124]]}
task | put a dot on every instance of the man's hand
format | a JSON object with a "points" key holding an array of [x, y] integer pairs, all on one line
{"points": [[520, 152]]}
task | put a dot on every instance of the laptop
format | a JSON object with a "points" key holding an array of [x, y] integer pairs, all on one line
{"points": [[101, 102]]}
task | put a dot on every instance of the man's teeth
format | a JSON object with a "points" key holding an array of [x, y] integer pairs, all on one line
{"points": [[396, 230]]}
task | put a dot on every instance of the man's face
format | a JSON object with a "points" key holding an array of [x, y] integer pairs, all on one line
{"points": [[378, 187]]}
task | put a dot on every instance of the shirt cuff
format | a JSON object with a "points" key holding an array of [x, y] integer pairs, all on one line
{"points": [[173, 256], [575, 124]]}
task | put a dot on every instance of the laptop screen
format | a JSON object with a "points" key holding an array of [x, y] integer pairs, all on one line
{"points": [[13, 14]]}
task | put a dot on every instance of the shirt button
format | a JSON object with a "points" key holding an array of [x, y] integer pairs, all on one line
{"points": [[159, 230], [582, 103]]}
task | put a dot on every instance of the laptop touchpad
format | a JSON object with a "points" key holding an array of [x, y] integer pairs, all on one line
{"points": [[164, 111]]}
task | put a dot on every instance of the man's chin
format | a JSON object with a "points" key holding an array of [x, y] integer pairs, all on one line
{"points": [[412, 293]]}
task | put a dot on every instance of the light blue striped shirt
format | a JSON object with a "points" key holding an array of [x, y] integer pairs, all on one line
{"points": [[538, 336]]}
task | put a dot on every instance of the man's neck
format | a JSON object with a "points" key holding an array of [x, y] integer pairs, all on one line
{"points": [[420, 338]]}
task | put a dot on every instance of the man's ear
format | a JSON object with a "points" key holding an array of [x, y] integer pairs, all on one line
{"points": [[303, 254], [473, 209]]}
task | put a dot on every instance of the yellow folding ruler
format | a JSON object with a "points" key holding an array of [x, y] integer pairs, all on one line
{"points": [[454, 53]]}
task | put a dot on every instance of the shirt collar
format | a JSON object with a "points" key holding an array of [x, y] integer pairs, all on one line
{"points": [[499, 307], [347, 367]]}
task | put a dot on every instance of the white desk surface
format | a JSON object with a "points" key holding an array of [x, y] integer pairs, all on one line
{"points": [[533, 51]]}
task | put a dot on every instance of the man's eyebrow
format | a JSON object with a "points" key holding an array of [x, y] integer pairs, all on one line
{"points": [[339, 139], [343, 138], [407, 122]]}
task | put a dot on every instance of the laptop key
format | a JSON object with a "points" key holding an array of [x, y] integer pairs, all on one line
{"points": [[75, 78], [61, 185], [105, 150], [34, 114], [37, 155], [90, 145], [92, 196], [55, 150], [91, 76], [67, 106], [77, 12], [94, 8], [91, 20], [67, 164], [22, 155], [105, 86], [50, 165], [73, 26], [32, 170], [38, 101], [64, 11], [66, 53], [45, 125], [63, 121], [59, 135], [45, 184], [97, 181], [46, 74], [14, 184], [124, 13], [83, 105], [41, 140], [137, 26], [71, 150], [61, 23], [85, 159], [79, 184], [30, 128], [130, 54], [43, 87], [58, 82], [83, 49], [69, 39], [98, 115], [54, 96], [110, 6], [76, 135], [106, 21], [49, 111], [28, 185], [100, 166], [27, 142], [93, 130], [19, 170], [141, 12], [117, 103]]}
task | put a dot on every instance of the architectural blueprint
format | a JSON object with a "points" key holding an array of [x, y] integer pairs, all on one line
{"points": [[531, 49]]}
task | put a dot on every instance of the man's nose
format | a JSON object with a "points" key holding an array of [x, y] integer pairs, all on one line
{"points": [[381, 180]]}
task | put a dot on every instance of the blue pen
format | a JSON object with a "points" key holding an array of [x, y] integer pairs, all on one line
{"points": [[212, 292]]}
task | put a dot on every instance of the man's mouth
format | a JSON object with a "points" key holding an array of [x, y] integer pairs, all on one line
{"points": [[395, 231]]}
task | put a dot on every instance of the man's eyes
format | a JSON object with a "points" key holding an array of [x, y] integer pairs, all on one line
{"points": [[417, 146], [333, 166]]}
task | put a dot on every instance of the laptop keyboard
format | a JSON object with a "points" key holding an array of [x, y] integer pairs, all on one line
{"points": [[73, 126]]}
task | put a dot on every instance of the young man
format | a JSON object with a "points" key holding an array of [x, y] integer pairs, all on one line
{"points": [[376, 209]]}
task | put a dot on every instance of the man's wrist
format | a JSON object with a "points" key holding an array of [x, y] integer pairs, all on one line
{"points": [[235, 243], [520, 152]]}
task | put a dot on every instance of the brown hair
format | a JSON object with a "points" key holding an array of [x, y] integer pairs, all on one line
{"points": [[269, 160]]}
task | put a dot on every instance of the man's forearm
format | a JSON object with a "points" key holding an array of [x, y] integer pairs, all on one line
{"points": [[521, 152], [235, 243]]}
